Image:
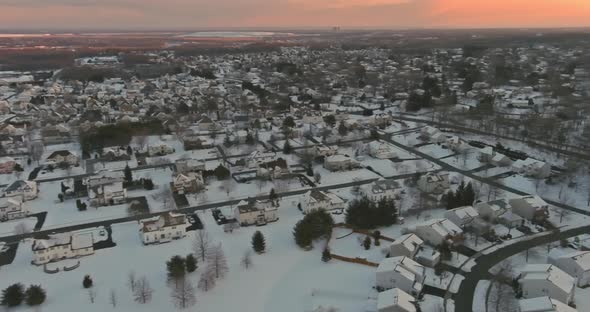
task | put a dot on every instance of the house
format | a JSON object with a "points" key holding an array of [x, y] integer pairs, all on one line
{"points": [[492, 210], [437, 231], [195, 142], [255, 212], [532, 168], [7, 165], [400, 272], [462, 216], [486, 154], [530, 207], [163, 228], [257, 157], [56, 134], [406, 245], [576, 264], [381, 150], [434, 183], [206, 124], [320, 200], [501, 160], [339, 163], [539, 280], [63, 157], [325, 151], [115, 154], [275, 169], [395, 300], [13, 208], [456, 144], [108, 194], [381, 189], [159, 150], [27, 190], [432, 134], [62, 246], [189, 165], [190, 182], [543, 304]]}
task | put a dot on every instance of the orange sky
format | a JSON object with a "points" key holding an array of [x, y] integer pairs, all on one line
{"points": [[158, 14]]}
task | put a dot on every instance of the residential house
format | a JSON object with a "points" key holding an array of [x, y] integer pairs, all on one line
{"points": [[63, 157], [206, 124], [163, 228], [27, 190], [255, 212], [190, 182], [56, 134], [486, 154], [195, 142], [257, 157], [530, 207], [62, 246], [432, 134], [275, 169], [13, 208], [339, 163], [106, 188], [437, 231], [325, 151], [434, 183], [381, 189], [540, 280], [381, 150], [189, 165], [380, 120], [576, 264], [321, 200], [395, 300], [462, 216], [401, 272], [115, 154], [501, 160], [532, 168], [406, 245], [543, 304], [159, 150], [7, 165]]}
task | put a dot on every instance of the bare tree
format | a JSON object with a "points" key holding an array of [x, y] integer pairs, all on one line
{"points": [[143, 291], [113, 298], [141, 141], [207, 279], [228, 185], [183, 295], [317, 177], [36, 151], [218, 261], [91, 295], [201, 244], [131, 281], [246, 261]]}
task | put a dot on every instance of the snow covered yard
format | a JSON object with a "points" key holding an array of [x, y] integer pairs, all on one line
{"points": [[9, 227]]}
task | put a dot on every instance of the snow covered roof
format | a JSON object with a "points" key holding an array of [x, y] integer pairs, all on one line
{"points": [[404, 266], [549, 273], [410, 241], [396, 297], [581, 258], [543, 304]]}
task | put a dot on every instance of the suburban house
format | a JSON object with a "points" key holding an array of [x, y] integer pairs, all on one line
{"points": [[501, 160], [258, 157], [62, 246], [195, 142], [12, 208], [159, 150], [7, 165], [27, 190], [190, 182], [462, 216], [189, 165], [530, 207], [63, 157], [401, 272], [320, 200], [255, 212], [56, 134], [395, 300], [539, 280], [486, 154], [381, 189], [492, 210], [543, 304], [163, 228], [576, 264], [381, 150], [436, 231], [115, 154], [339, 163], [275, 169], [106, 188], [455, 143], [325, 151], [406, 245], [532, 168], [434, 183], [432, 134]]}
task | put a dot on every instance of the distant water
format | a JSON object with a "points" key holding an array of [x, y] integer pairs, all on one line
{"points": [[235, 34]]}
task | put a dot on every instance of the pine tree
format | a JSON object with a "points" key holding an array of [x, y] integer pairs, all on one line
{"points": [[87, 281], [35, 295], [367, 242], [13, 295], [468, 195], [287, 149], [128, 174], [176, 267], [191, 263], [326, 255], [258, 242], [342, 130]]}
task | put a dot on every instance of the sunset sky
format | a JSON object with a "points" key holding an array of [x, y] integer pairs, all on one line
{"points": [[189, 14]]}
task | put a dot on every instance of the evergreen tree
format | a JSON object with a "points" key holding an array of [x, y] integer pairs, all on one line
{"points": [[221, 172], [287, 149], [289, 122], [468, 195], [366, 214], [128, 174], [342, 130], [129, 150], [13, 295], [176, 267], [326, 255], [258, 242], [87, 281], [367, 242], [35, 295], [191, 263], [273, 195], [314, 225]]}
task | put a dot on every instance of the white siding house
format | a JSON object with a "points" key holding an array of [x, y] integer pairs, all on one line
{"points": [[434, 183], [255, 212], [13, 208], [576, 264], [163, 228], [436, 231], [539, 280], [62, 246], [24, 189], [406, 245], [320, 200], [530, 207], [395, 300], [462, 216], [401, 272]]}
